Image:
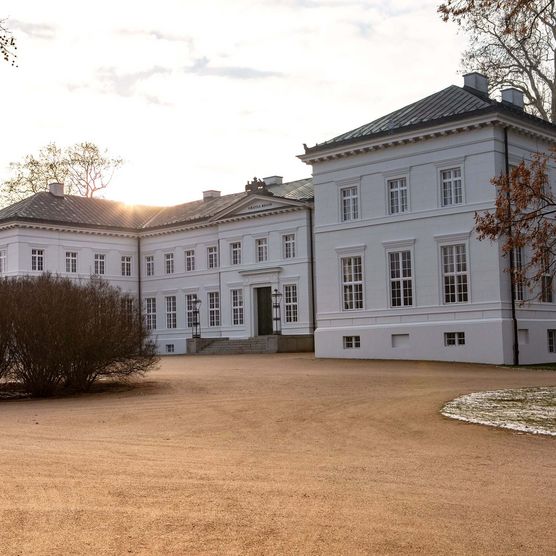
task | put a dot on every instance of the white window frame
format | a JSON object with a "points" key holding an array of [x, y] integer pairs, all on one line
{"points": [[238, 311], [126, 261], [452, 181], [213, 308], [71, 262], [289, 246], [349, 203], [454, 339], [452, 246], [291, 303], [189, 260], [397, 256], [519, 286], [170, 302], [150, 313], [3, 261], [190, 299], [213, 257], [551, 340], [149, 265], [235, 253], [351, 342], [99, 264], [352, 285], [261, 249], [397, 188], [169, 263], [37, 260]]}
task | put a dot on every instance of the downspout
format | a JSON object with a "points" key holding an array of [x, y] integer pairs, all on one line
{"points": [[139, 287], [512, 263], [312, 273], [220, 300]]}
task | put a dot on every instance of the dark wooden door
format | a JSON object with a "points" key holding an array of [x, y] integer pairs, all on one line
{"points": [[264, 311]]}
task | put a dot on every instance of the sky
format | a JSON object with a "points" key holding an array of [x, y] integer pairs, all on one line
{"points": [[207, 94]]}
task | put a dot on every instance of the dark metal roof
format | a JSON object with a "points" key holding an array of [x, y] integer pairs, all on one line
{"points": [[102, 213], [452, 103]]}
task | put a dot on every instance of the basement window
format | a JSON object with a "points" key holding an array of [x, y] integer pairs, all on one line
{"points": [[351, 342], [170, 348], [551, 340], [454, 339]]}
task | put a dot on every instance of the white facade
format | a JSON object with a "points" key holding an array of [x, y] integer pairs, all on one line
{"points": [[272, 246], [392, 216]]}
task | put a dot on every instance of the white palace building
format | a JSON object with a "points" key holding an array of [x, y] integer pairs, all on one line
{"points": [[376, 255]]}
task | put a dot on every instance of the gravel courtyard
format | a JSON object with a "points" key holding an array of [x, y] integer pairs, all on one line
{"points": [[280, 454]]}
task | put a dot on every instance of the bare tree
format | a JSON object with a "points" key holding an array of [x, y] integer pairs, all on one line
{"points": [[524, 220], [8, 46], [83, 168], [513, 43]]}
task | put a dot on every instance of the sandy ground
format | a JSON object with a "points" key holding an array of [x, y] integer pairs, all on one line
{"points": [[276, 455]]}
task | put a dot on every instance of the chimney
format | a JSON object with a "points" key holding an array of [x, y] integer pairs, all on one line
{"points": [[513, 96], [56, 189], [477, 82], [210, 194], [273, 180]]}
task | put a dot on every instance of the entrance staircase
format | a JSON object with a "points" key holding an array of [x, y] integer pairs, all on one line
{"points": [[225, 346], [258, 344]]}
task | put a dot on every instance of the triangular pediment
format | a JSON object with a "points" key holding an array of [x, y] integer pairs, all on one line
{"points": [[257, 204]]}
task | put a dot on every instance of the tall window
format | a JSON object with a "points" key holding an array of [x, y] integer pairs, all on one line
{"points": [[551, 332], [451, 187], [100, 264], [171, 313], [288, 242], [169, 263], [150, 313], [350, 203], [212, 257], [401, 279], [149, 265], [261, 249], [235, 252], [37, 259], [126, 265], [237, 307], [190, 299], [214, 308], [397, 194], [454, 271], [71, 261], [190, 260], [127, 307], [518, 277], [290, 302], [3, 261], [352, 283]]}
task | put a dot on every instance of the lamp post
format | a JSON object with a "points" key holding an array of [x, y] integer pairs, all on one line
{"points": [[277, 318], [196, 318]]}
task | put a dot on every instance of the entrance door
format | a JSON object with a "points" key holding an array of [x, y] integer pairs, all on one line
{"points": [[264, 311]]}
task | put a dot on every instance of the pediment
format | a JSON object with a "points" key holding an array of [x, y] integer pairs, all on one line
{"points": [[256, 204]]}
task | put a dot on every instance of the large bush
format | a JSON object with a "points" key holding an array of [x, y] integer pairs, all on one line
{"points": [[56, 333]]}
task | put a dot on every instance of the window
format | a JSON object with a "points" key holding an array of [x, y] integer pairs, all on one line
{"points": [[397, 195], [351, 342], [169, 263], [170, 348], [235, 252], [289, 246], [3, 263], [150, 313], [518, 276], [37, 259], [546, 282], [451, 187], [350, 203], [190, 260], [290, 302], [454, 271], [126, 266], [454, 339], [401, 280], [212, 257], [352, 283], [171, 314], [237, 307], [190, 299], [100, 264], [214, 308], [551, 332], [71, 261], [261, 249], [149, 264], [127, 307]]}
